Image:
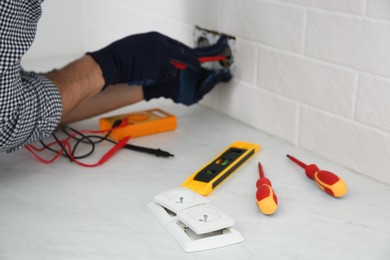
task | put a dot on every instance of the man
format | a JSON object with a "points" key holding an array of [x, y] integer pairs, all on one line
{"points": [[129, 70]]}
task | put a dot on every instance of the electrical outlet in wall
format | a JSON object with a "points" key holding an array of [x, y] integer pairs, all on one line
{"points": [[206, 37]]}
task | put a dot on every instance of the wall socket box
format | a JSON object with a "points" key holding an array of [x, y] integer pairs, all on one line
{"points": [[205, 37]]}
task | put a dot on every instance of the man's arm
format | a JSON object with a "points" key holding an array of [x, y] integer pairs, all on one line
{"points": [[33, 110], [111, 98], [77, 82], [30, 105]]}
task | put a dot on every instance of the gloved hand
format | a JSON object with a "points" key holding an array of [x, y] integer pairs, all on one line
{"points": [[143, 59], [189, 86]]}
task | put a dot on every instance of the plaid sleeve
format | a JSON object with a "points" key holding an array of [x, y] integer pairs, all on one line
{"points": [[30, 104]]}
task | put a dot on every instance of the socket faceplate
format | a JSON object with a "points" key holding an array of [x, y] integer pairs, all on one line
{"points": [[179, 199], [194, 223]]}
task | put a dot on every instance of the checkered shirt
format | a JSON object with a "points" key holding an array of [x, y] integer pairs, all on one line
{"points": [[30, 104]]}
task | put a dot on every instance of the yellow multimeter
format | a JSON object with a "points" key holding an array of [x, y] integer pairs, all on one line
{"points": [[205, 180], [141, 123]]}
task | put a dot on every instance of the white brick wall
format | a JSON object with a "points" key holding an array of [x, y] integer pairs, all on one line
{"points": [[347, 6], [324, 67], [346, 141], [264, 22], [379, 9], [352, 41], [314, 73], [307, 81], [373, 106]]}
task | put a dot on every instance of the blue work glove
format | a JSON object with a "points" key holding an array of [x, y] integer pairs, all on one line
{"points": [[189, 86], [143, 59]]}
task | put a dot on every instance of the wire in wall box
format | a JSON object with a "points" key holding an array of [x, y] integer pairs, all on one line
{"points": [[140, 123], [205, 180]]}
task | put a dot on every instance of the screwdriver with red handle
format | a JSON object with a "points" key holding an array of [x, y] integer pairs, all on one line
{"points": [[181, 66], [327, 181], [265, 195]]}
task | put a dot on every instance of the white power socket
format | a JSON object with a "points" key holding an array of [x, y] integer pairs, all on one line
{"points": [[194, 223]]}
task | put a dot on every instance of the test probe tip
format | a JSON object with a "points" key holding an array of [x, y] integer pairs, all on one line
{"points": [[163, 153]]}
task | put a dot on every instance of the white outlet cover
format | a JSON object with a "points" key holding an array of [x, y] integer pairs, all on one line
{"points": [[179, 199], [205, 219], [188, 239]]}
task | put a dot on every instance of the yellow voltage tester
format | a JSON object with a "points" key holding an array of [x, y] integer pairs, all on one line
{"points": [[205, 180]]}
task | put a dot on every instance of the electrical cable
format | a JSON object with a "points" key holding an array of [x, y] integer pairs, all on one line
{"points": [[91, 139]]}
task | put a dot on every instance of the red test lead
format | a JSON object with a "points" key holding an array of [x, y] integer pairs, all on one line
{"points": [[265, 195], [327, 181]]}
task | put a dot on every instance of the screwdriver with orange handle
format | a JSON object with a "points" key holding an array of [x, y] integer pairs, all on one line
{"points": [[265, 195], [327, 181]]}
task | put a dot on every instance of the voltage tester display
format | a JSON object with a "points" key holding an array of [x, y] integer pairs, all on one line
{"points": [[212, 170], [220, 168]]}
